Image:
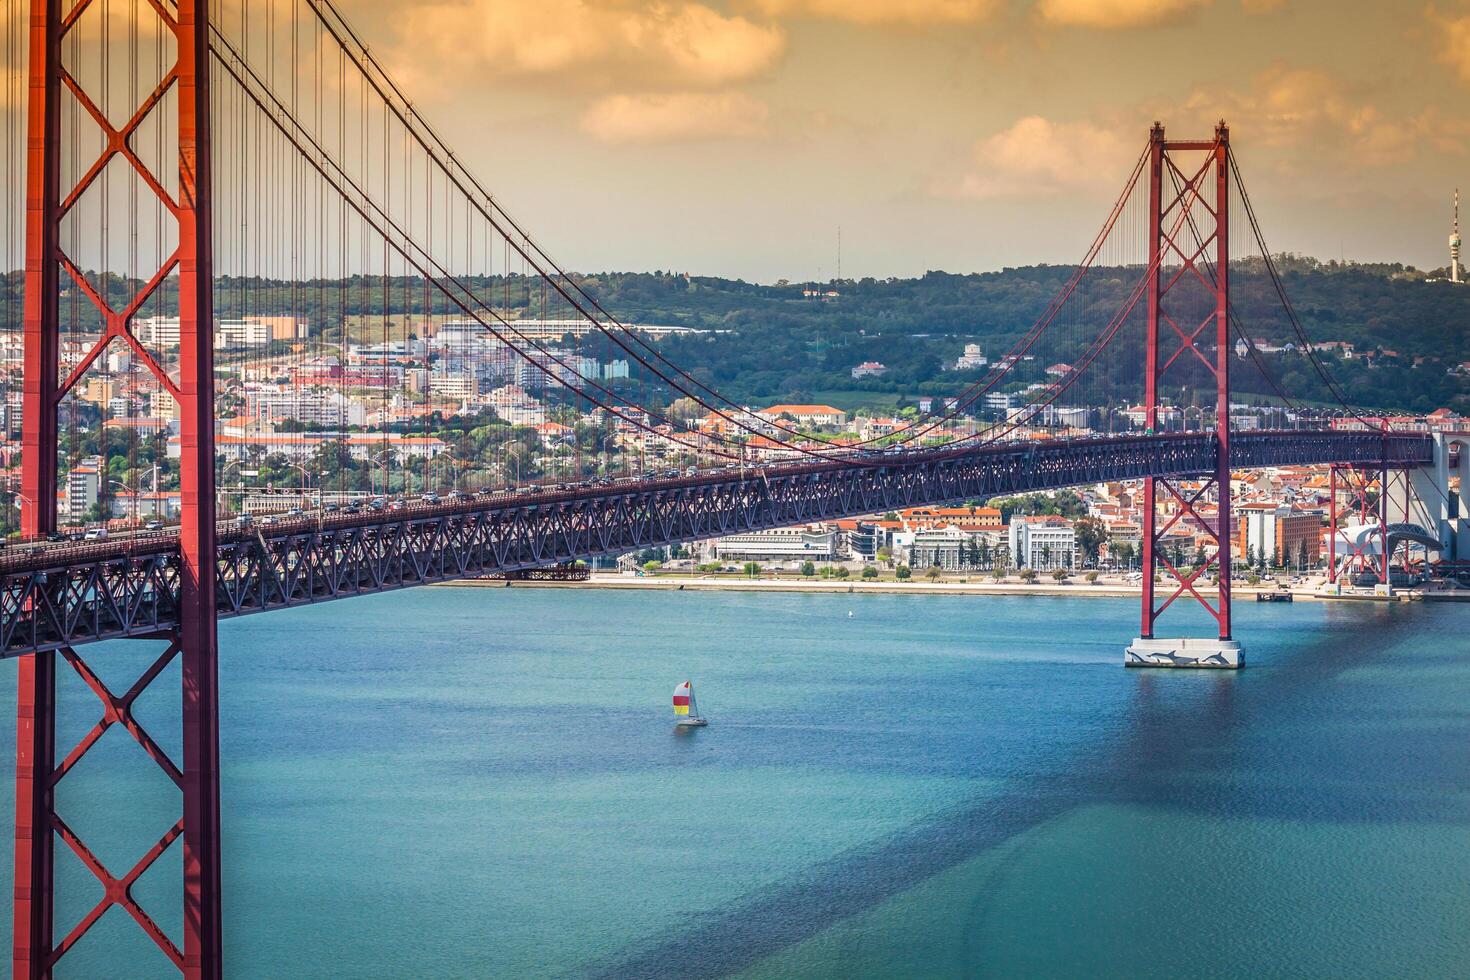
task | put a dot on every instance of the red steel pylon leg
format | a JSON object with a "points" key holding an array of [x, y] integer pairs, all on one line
{"points": [[198, 618], [36, 673], [195, 643], [1184, 224]]}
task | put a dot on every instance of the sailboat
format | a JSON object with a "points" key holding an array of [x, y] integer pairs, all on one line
{"points": [[686, 708]]}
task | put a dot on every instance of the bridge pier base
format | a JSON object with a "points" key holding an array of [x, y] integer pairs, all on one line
{"points": [[1187, 652]]}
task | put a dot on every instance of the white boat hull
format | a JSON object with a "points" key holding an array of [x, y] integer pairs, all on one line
{"points": [[690, 723]]}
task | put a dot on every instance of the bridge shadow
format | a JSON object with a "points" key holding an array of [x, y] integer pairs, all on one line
{"points": [[1171, 757]]}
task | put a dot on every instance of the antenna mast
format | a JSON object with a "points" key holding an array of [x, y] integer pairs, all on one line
{"points": [[1455, 241]]}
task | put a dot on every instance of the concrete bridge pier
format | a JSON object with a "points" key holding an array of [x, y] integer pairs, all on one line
{"points": [[1186, 652], [1423, 496]]}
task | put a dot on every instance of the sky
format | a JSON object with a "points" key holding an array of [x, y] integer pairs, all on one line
{"points": [[735, 138]]}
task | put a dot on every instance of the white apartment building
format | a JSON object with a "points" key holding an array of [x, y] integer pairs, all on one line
{"points": [[14, 409], [161, 405], [516, 406], [1042, 543], [461, 334], [814, 543], [312, 406], [458, 384], [952, 549], [83, 483], [163, 331], [1000, 401]]}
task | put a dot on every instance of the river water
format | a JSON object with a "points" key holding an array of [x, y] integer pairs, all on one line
{"points": [[485, 783]]}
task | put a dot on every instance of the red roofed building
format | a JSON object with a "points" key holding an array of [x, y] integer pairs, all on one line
{"points": [[806, 414]]}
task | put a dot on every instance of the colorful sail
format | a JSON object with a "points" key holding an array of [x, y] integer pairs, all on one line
{"points": [[682, 694]]}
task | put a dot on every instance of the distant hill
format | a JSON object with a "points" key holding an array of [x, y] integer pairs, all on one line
{"points": [[791, 342], [1407, 330]]}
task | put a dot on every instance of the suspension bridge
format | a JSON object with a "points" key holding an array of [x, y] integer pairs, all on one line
{"points": [[240, 220]]}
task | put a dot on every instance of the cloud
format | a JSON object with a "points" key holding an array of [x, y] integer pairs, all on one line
{"points": [[917, 13], [675, 117], [1110, 14], [597, 43], [1039, 157], [1295, 107], [1454, 33]]}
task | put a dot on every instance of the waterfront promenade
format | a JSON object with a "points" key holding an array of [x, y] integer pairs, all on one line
{"points": [[1105, 588]]}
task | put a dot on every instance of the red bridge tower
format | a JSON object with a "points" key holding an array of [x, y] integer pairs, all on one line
{"points": [[1188, 325], [37, 945]]}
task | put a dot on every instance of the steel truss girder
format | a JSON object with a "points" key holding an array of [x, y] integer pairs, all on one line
{"points": [[46, 606]]}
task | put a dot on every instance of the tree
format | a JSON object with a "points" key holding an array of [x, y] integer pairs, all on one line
{"points": [[1250, 556], [1091, 578], [1276, 557], [752, 568], [869, 572], [998, 573], [982, 551], [685, 409], [652, 566], [1092, 534], [1059, 574], [842, 571], [1303, 559], [903, 573], [808, 569], [1028, 575], [1045, 553], [885, 554], [1123, 553], [934, 573]]}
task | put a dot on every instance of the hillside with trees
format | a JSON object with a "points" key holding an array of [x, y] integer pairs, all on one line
{"points": [[1409, 330]]}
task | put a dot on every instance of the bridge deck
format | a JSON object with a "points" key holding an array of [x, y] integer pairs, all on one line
{"points": [[71, 594]]}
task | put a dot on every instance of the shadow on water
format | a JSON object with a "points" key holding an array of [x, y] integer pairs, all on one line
{"points": [[1169, 756]]}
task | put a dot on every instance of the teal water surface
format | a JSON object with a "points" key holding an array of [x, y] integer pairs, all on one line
{"points": [[485, 783]]}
